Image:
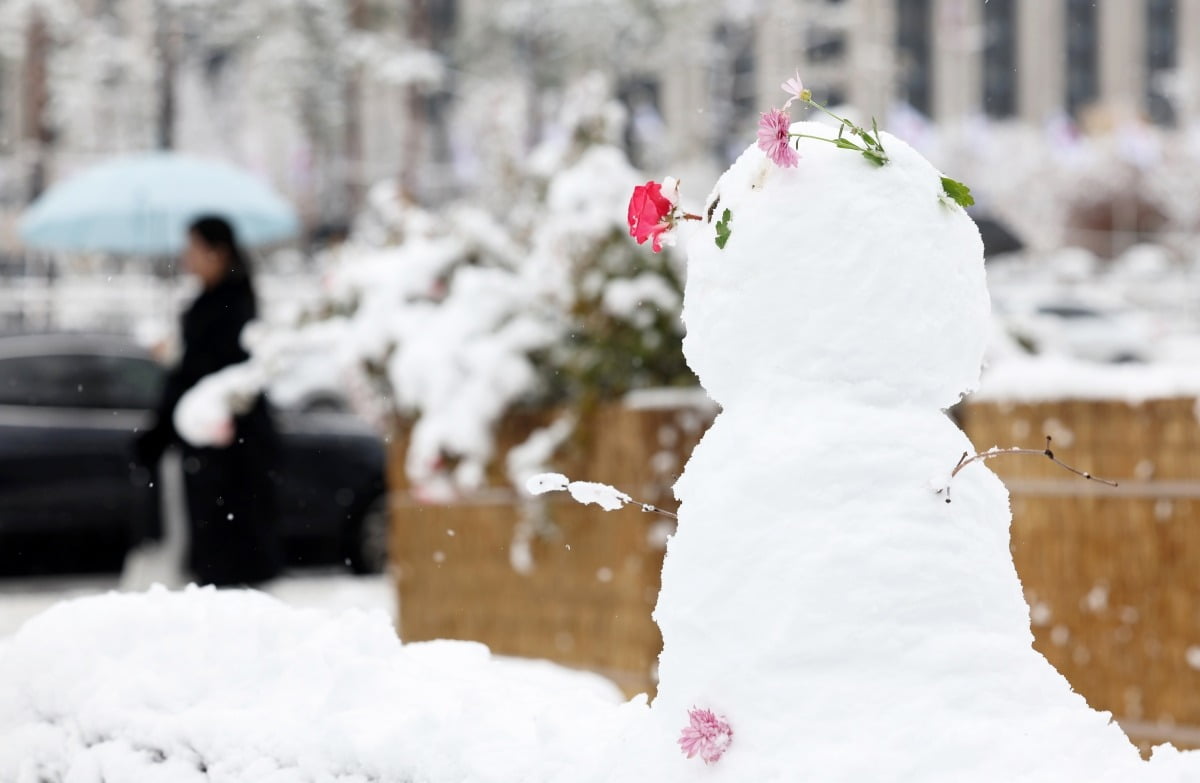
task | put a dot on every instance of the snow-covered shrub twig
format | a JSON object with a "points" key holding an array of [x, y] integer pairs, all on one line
{"points": [[585, 492], [992, 453]]}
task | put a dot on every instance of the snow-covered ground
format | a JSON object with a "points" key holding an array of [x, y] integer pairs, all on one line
{"points": [[1143, 306], [1068, 325], [206, 685], [21, 599]]}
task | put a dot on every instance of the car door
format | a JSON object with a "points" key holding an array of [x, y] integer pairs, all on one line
{"points": [[332, 469], [66, 424]]}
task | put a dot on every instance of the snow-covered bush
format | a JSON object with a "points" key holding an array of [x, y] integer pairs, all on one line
{"points": [[623, 327], [468, 311]]}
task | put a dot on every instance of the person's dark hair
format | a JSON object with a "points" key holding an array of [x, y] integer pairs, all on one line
{"points": [[218, 233]]}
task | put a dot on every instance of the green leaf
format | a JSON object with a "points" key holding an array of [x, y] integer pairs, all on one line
{"points": [[846, 144], [875, 125], [723, 230], [875, 156], [959, 192], [723, 235]]}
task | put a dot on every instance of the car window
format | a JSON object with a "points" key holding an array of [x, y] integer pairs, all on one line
{"points": [[80, 381]]}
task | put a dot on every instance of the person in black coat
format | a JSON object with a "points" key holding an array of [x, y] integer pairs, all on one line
{"points": [[231, 490]]}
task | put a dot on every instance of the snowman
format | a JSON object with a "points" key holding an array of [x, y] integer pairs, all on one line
{"points": [[826, 614]]}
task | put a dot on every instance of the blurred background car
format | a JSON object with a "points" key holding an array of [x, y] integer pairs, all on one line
{"points": [[1086, 330], [72, 499]]}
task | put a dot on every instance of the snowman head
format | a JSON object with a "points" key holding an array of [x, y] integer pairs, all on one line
{"points": [[832, 275]]}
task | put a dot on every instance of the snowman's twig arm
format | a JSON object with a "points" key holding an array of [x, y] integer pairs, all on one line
{"points": [[983, 456], [647, 508], [538, 485], [656, 510]]}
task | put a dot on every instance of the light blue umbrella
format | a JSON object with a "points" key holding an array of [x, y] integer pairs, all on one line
{"points": [[142, 204]]}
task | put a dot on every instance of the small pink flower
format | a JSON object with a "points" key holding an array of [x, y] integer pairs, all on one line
{"points": [[706, 736], [773, 138], [794, 88]]}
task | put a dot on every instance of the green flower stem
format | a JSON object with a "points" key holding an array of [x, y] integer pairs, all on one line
{"points": [[810, 136], [871, 149], [841, 120], [872, 142]]}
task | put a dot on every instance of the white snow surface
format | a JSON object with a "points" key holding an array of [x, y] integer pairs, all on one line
{"points": [[1042, 378], [205, 413], [606, 497], [546, 482], [207, 685]]}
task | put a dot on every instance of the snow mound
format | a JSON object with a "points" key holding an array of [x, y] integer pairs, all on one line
{"points": [[207, 685]]}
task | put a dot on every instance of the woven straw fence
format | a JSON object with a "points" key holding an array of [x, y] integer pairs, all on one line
{"points": [[1112, 576], [550, 579]]}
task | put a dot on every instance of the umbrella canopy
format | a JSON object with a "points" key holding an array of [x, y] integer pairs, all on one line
{"points": [[143, 204]]}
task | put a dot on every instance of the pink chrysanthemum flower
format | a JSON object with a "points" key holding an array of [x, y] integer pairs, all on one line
{"points": [[706, 736], [773, 138]]}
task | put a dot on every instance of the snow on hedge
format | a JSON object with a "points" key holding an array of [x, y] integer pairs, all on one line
{"points": [[207, 685], [462, 314], [1041, 378]]}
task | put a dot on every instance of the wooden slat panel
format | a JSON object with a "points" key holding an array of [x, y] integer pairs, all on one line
{"points": [[1113, 576], [588, 599]]}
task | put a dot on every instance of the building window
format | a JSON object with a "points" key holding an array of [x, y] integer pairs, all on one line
{"points": [[913, 26], [1000, 58], [1083, 78], [824, 44], [733, 89], [443, 18], [1160, 59], [645, 133]]}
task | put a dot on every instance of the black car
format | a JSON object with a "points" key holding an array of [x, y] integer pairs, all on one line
{"points": [[70, 496]]}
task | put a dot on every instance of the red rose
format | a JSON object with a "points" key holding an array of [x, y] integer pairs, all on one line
{"points": [[651, 214]]}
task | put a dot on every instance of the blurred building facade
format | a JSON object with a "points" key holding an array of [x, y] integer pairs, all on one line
{"points": [[950, 61], [84, 79]]}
